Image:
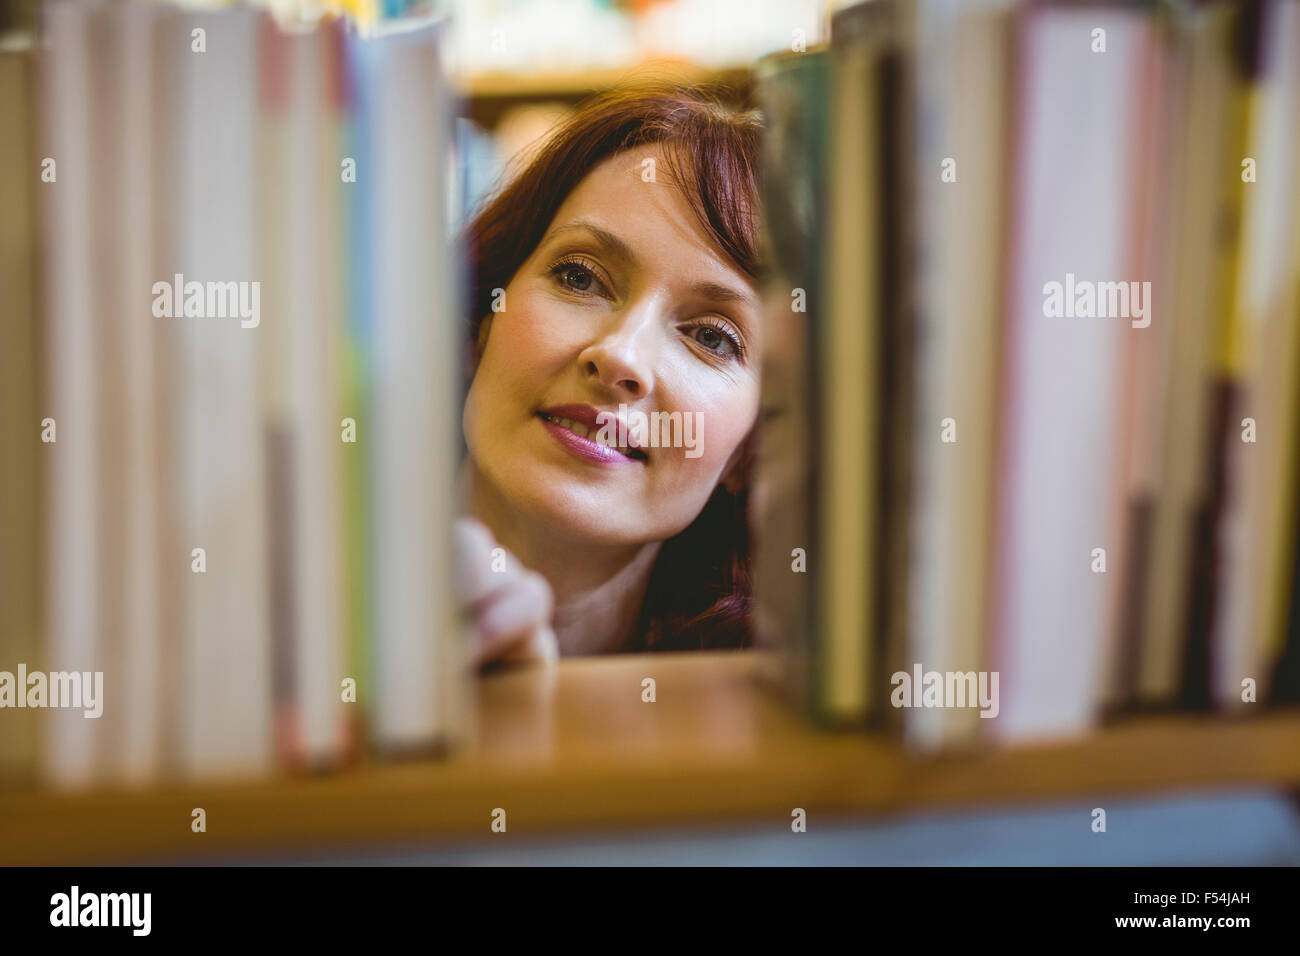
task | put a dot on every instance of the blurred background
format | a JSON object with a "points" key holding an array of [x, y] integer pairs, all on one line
{"points": [[229, 430]]}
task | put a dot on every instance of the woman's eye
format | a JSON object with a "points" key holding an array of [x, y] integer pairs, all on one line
{"points": [[717, 340], [576, 278], [709, 338]]}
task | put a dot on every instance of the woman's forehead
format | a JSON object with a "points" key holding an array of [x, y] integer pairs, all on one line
{"points": [[633, 203]]}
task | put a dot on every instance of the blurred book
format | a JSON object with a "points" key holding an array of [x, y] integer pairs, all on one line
{"points": [[1258, 356], [1158, 616], [72, 526], [1059, 514], [963, 52], [411, 309], [301, 114], [219, 470], [21, 409], [795, 168], [245, 326], [1064, 293]]}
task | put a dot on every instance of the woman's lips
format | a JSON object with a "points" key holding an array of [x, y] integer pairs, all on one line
{"points": [[586, 447]]}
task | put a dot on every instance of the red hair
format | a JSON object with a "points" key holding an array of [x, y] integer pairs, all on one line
{"points": [[699, 590]]}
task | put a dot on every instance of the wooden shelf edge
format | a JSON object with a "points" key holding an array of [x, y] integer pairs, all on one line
{"points": [[568, 85], [834, 774]]}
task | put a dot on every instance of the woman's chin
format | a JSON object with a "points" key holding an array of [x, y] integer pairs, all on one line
{"points": [[569, 508], [599, 515]]}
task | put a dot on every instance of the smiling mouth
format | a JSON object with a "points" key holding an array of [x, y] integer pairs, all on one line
{"points": [[589, 435]]}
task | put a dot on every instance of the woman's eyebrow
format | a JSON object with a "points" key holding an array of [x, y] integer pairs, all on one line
{"points": [[603, 236], [719, 292]]}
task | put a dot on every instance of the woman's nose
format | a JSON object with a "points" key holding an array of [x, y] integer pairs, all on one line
{"points": [[622, 357]]}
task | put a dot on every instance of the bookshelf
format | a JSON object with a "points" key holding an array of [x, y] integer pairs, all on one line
{"points": [[489, 95], [574, 747]]}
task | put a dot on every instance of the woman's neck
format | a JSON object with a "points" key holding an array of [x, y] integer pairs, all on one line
{"points": [[599, 589]]}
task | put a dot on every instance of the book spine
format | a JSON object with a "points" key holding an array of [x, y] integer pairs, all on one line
{"points": [[72, 544], [21, 409]]}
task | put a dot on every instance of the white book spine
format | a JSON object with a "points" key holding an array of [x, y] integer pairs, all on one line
{"points": [[963, 90], [314, 369], [72, 544], [220, 474], [1057, 497], [142, 626], [414, 377]]}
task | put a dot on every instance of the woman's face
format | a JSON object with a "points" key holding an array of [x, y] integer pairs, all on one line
{"points": [[625, 307]]}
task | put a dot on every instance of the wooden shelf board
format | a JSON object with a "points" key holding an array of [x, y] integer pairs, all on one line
{"points": [[573, 747], [489, 96], [566, 85]]}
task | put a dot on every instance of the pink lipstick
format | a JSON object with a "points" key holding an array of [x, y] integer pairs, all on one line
{"points": [[576, 426]]}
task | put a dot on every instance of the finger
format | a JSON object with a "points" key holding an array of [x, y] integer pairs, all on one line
{"points": [[537, 644], [525, 604], [540, 645], [476, 578], [511, 615]]}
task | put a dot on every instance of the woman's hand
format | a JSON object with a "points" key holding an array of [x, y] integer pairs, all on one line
{"points": [[509, 610]]}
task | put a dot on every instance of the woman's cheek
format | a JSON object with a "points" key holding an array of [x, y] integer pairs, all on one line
{"points": [[519, 351], [720, 425], [728, 417], [543, 334]]}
